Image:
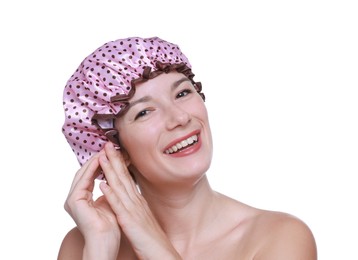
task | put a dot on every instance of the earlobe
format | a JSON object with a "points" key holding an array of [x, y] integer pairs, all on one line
{"points": [[124, 153]]}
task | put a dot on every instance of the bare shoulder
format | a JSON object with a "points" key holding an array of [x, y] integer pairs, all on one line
{"points": [[283, 236], [72, 245], [262, 234]]}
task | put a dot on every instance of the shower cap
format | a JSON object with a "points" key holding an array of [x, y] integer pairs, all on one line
{"points": [[100, 89]]}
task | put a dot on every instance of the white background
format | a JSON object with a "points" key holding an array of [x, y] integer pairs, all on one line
{"points": [[281, 84]]}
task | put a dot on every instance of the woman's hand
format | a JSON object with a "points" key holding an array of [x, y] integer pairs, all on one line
{"points": [[131, 209], [95, 219]]}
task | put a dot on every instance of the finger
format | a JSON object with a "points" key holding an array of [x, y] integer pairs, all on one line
{"points": [[120, 170], [122, 199], [111, 176], [116, 158], [83, 184], [85, 176], [117, 197], [80, 172]]}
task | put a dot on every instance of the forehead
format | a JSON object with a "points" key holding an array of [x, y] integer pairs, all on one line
{"points": [[165, 81]]}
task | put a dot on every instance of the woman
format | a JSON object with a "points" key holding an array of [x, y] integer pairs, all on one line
{"points": [[136, 118]]}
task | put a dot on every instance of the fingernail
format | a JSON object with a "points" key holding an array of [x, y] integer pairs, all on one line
{"points": [[110, 145]]}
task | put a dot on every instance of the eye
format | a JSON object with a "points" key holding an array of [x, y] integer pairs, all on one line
{"points": [[141, 114], [183, 93]]}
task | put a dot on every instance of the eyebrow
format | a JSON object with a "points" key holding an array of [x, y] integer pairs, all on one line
{"points": [[148, 98]]}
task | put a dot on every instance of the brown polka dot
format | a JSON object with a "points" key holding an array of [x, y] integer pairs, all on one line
{"points": [[106, 71]]}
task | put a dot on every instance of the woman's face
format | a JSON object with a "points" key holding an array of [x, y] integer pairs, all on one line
{"points": [[166, 130]]}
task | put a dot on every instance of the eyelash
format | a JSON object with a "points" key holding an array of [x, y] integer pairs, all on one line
{"points": [[187, 91], [181, 94], [141, 114]]}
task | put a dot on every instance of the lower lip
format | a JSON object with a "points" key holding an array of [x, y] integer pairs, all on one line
{"points": [[189, 150]]}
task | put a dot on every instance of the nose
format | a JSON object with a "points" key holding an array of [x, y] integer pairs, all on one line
{"points": [[177, 116]]}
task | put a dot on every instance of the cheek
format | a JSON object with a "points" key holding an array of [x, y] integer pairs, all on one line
{"points": [[199, 110], [140, 141]]}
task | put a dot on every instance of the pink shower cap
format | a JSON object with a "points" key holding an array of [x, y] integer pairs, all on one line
{"points": [[100, 88]]}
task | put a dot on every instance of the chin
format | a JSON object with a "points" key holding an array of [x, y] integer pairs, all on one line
{"points": [[196, 170]]}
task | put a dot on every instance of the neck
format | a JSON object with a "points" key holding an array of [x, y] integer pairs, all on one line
{"points": [[184, 213]]}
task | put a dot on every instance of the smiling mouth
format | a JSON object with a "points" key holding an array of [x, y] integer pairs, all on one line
{"points": [[182, 145]]}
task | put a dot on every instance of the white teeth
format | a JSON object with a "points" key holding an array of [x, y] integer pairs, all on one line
{"points": [[182, 144], [190, 140]]}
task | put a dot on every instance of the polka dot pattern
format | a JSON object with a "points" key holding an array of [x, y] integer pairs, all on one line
{"points": [[106, 73]]}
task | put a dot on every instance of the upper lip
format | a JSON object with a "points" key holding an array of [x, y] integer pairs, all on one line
{"points": [[174, 142]]}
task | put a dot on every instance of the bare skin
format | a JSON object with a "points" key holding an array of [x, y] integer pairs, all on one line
{"points": [[176, 215], [238, 232]]}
